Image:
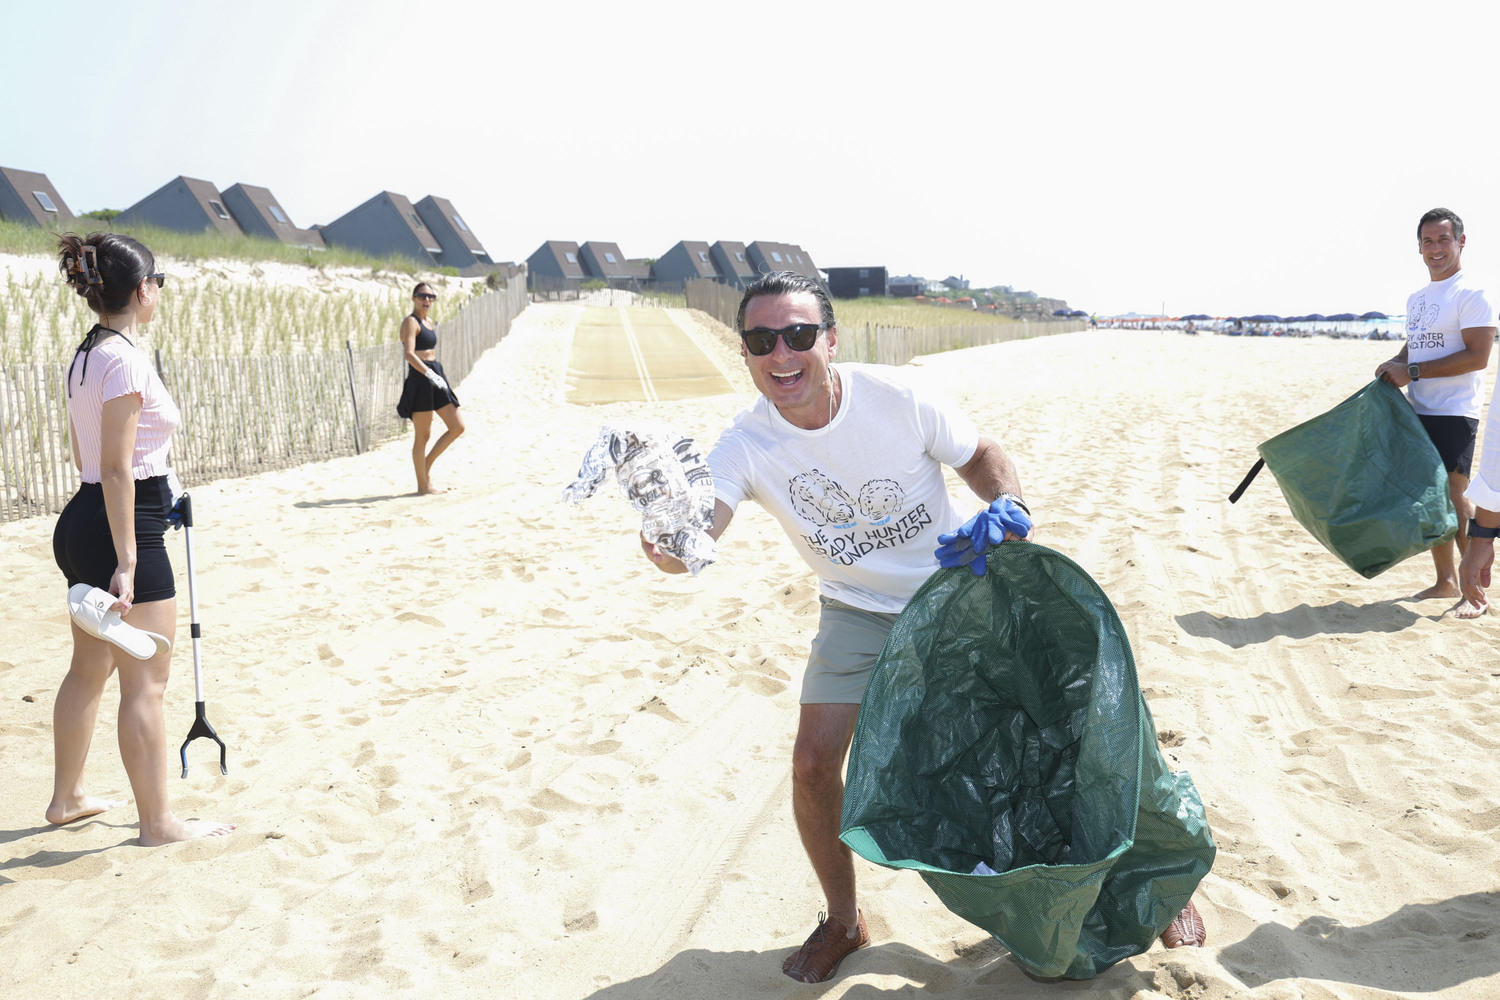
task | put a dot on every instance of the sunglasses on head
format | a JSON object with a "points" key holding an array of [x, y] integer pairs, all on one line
{"points": [[161, 279], [799, 337], [426, 296]]}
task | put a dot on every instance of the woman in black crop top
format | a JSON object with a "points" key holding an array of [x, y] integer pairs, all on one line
{"points": [[426, 389]]}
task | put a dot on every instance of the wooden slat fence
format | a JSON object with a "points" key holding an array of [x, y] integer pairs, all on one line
{"points": [[240, 415], [881, 344]]}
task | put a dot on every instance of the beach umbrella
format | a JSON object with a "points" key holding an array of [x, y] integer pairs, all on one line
{"points": [[1342, 318], [1372, 314], [1060, 312], [1198, 316]]}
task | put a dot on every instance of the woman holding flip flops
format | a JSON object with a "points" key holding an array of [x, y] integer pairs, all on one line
{"points": [[109, 540]]}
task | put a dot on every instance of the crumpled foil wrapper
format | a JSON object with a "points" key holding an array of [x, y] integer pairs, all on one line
{"points": [[664, 476]]}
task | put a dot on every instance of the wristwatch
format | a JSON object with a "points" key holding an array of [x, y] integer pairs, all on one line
{"points": [[1015, 500], [1477, 530], [1413, 371]]}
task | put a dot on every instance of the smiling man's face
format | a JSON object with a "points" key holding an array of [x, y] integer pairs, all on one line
{"points": [[797, 382]]}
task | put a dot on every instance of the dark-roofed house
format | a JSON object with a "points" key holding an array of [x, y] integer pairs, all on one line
{"points": [[686, 260], [184, 205], [30, 198], [766, 257], [733, 261], [387, 224], [854, 282], [906, 285], [555, 259], [605, 262], [260, 214], [461, 248]]}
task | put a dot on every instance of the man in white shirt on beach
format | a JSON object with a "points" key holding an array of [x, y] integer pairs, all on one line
{"points": [[849, 459], [1450, 331]]}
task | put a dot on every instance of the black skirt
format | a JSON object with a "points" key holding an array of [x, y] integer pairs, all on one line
{"points": [[418, 394]]}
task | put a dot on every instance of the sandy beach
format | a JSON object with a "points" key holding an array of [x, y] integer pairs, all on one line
{"points": [[480, 747]]}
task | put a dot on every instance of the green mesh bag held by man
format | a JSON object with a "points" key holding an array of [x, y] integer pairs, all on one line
{"points": [[1003, 751], [1365, 479]]}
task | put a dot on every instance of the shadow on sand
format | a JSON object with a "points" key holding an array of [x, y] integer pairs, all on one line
{"points": [[349, 501], [1301, 622], [982, 970], [1420, 948]]}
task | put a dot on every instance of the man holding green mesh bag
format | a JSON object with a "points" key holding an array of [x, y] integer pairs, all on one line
{"points": [[1450, 330]]}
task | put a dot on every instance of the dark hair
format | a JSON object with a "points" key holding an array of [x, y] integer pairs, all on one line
{"points": [[420, 285], [1442, 215], [105, 268], [785, 283]]}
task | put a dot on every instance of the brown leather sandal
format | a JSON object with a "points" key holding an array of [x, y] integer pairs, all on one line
{"points": [[1186, 930], [819, 957]]}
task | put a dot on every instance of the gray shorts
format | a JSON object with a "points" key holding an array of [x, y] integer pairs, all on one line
{"points": [[843, 653]]}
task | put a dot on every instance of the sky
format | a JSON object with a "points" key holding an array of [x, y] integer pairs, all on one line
{"points": [[1146, 157]]}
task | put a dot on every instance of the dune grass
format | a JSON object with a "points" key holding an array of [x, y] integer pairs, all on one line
{"points": [[41, 318], [877, 311]]}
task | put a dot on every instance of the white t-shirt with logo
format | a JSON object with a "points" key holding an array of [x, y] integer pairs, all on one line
{"points": [[863, 499], [1484, 479], [1436, 317]]}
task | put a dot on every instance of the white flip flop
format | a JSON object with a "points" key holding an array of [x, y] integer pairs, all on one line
{"points": [[90, 610]]}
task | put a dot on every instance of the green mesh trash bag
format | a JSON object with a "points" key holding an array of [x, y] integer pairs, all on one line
{"points": [[1003, 725], [1365, 480]]}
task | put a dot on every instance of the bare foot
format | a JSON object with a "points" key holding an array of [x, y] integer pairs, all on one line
{"points": [[430, 490], [178, 830], [65, 812], [1437, 590], [1467, 609]]}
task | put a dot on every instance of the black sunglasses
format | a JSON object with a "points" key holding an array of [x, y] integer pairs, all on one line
{"points": [[426, 296], [799, 337], [161, 279]]}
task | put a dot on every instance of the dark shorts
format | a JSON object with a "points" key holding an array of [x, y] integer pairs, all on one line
{"points": [[85, 549], [418, 394], [1454, 439]]}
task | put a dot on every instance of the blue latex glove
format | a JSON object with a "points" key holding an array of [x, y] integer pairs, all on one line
{"points": [[967, 545]]}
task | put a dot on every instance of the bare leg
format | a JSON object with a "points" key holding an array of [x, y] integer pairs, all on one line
{"points": [[143, 737], [1445, 556], [823, 735], [453, 423], [73, 716], [421, 422]]}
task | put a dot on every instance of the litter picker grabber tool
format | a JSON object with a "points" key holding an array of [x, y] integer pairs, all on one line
{"points": [[182, 517]]}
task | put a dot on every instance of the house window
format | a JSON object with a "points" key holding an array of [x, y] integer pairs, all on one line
{"points": [[776, 256], [415, 220], [572, 258], [864, 291], [864, 272], [459, 223], [739, 256], [609, 256], [218, 209], [44, 200], [276, 214], [703, 256]]}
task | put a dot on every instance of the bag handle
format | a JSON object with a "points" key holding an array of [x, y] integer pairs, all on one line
{"points": [[1249, 478]]}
